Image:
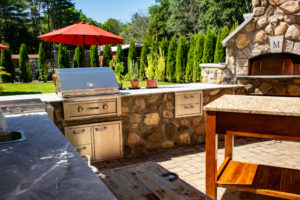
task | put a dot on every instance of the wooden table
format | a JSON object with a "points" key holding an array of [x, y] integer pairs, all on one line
{"points": [[145, 182], [251, 116]]}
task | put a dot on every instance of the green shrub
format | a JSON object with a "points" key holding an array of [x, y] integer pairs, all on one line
{"points": [[78, 59], [8, 66], [45, 72], [209, 47], [154, 46], [133, 70], [42, 62], [151, 68], [171, 60], [180, 60], [119, 68], [198, 56], [119, 55], [107, 55], [163, 45], [190, 61], [29, 67], [144, 63], [23, 59], [63, 57], [94, 57], [161, 65]]}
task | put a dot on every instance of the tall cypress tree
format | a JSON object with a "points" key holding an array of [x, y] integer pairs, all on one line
{"points": [[154, 47], [181, 60], [218, 49], [171, 60], [78, 57], [131, 52], [107, 56], [209, 47], [198, 56], [94, 57], [119, 55], [163, 45], [42, 61], [144, 62], [7, 63], [23, 59], [63, 57], [190, 61]]}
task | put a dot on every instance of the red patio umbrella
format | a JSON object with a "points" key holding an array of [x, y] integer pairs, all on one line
{"points": [[82, 33], [3, 47]]}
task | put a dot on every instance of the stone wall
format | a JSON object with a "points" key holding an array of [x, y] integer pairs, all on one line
{"points": [[215, 73], [269, 18], [271, 86], [149, 123]]}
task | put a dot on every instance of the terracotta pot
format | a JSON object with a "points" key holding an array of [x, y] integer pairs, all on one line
{"points": [[151, 83], [134, 84]]}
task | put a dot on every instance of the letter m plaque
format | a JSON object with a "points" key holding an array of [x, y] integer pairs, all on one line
{"points": [[276, 44]]}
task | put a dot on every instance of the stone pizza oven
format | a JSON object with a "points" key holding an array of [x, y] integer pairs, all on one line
{"points": [[264, 50]]}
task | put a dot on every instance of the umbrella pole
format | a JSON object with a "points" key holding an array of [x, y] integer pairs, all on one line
{"points": [[83, 50]]}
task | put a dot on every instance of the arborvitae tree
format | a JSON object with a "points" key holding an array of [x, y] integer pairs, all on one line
{"points": [[94, 57], [190, 60], [23, 59], [235, 25], [7, 63], [119, 55], [107, 56], [78, 59], [220, 51], [181, 60], [154, 47], [171, 60], [42, 62], [163, 45], [198, 56], [131, 54], [63, 57], [209, 47], [144, 62]]}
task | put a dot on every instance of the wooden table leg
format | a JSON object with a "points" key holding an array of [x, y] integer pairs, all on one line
{"points": [[229, 145], [211, 159]]}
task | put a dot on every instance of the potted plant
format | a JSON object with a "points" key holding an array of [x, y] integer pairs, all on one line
{"points": [[150, 72], [119, 68], [132, 75]]}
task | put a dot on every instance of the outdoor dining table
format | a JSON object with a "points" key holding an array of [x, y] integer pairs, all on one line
{"points": [[251, 116]]}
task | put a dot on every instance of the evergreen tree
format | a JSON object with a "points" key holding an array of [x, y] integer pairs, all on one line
{"points": [[119, 55], [220, 51], [209, 47], [198, 54], [63, 57], [107, 56], [190, 61], [94, 57], [23, 60], [154, 47], [131, 53], [163, 45], [78, 59], [42, 62], [181, 60], [7, 63], [144, 62], [171, 60], [235, 25]]}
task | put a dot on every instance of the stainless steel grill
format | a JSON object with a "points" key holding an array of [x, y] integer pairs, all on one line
{"points": [[88, 92]]}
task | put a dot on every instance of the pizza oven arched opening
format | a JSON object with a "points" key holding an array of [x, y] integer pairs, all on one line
{"points": [[275, 64]]}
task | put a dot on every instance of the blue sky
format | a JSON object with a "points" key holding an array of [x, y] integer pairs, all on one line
{"points": [[101, 10]]}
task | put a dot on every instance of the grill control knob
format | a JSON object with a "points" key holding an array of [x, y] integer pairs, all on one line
{"points": [[105, 107], [80, 109]]}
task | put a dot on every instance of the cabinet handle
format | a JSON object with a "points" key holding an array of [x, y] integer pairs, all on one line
{"points": [[189, 107], [81, 131], [80, 149], [188, 96], [105, 106], [101, 129]]}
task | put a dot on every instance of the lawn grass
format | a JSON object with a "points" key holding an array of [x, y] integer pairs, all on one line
{"points": [[40, 88]]}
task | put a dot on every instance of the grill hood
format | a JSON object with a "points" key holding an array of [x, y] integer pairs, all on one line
{"points": [[91, 81]]}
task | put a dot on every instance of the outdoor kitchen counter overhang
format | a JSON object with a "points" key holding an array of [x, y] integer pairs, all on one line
{"points": [[45, 165]]}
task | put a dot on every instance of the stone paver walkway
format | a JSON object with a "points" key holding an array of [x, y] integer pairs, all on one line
{"points": [[189, 162]]}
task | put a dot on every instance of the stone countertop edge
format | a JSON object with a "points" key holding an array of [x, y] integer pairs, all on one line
{"points": [[268, 105], [45, 165], [52, 97]]}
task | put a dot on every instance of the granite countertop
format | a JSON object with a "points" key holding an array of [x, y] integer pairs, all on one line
{"points": [[52, 97], [286, 106], [45, 165]]}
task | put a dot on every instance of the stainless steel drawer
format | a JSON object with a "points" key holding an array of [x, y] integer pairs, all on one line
{"points": [[88, 109], [79, 135], [187, 98], [188, 110]]}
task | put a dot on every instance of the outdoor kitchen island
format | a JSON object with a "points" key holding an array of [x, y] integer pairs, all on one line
{"points": [[251, 116]]}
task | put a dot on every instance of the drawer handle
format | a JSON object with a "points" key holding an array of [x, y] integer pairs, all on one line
{"points": [[81, 131], [189, 107], [93, 108], [101, 129], [105, 107], [80, 149], [188, 96]]}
